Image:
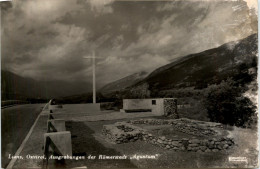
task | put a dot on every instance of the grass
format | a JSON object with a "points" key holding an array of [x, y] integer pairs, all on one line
{"points": [[87, 139], [85, 144], [167, 158]]}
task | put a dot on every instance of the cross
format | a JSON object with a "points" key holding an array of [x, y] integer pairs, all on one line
{"points": [[94, 74]]}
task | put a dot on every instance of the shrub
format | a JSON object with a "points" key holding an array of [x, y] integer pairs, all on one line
{"points": [[226, 104]]}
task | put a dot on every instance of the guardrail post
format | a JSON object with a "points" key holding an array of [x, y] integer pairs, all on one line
{"points": [[56, 125], [58, 143], [50, 117]]}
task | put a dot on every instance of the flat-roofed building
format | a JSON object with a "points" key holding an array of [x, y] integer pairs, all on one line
{"points": [[161, 106]]}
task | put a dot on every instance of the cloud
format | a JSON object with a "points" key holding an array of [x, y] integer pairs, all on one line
{"points": [[205, 25], [101, 6], [118, 66], [63, 55], [252, 4], [47, 39], [36, 46]]}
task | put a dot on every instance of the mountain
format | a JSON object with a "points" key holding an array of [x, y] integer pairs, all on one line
{"points": [[16, 87], [232, 59], [124, 82]]}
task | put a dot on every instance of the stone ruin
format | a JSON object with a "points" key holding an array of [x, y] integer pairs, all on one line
{"points": [[170, 108], [185, 144], [192, 127], [124, 132]]}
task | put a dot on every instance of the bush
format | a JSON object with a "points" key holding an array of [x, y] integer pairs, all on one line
{"points": [[139, 92], [226, 104]]}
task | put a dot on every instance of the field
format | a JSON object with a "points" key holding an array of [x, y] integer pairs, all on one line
{"points": [[95, 144], [87, 139]]}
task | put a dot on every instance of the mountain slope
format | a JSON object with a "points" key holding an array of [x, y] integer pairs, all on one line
{"points": [[210, 66], [17, 87], [124, 82]]}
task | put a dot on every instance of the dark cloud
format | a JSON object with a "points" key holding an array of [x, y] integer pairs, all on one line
{"points": [[5, 6], [47, 39]]}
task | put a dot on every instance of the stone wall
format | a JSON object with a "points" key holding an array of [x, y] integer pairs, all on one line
{"points": [[193, 127], [129, 104], [123, 132], [184, 144], [170, 108]]}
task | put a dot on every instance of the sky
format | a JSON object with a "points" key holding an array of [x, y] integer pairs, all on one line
{"points": [[47, 39]]}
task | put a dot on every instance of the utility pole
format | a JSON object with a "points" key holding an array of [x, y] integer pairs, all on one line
{"points": [[93, 57], [94, 77]]}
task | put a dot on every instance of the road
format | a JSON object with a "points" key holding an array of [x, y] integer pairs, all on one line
{"points": [[16, 122]]}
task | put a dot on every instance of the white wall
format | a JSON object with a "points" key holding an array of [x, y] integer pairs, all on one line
{"points": [[137, 104], [144, 104], [159, 107]]}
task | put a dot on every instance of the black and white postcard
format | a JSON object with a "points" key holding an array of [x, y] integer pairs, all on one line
{"points": [[129, 84]]}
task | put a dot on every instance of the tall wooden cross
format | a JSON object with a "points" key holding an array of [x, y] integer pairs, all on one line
{"points": [[94, 74]]}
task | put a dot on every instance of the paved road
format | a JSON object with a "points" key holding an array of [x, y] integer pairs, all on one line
{"points": [[16, 122]]}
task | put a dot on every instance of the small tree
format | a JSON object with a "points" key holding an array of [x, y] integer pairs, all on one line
{"points": [[226, 104], [140, 92]]}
